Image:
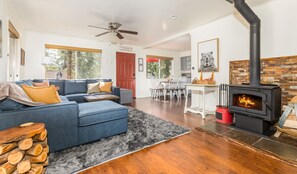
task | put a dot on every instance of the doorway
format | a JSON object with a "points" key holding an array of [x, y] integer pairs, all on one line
{"points": [[13, 75], [13, 60], [125, 71]]}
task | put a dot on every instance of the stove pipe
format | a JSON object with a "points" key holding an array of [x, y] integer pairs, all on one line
{"points": [[255, 26]]}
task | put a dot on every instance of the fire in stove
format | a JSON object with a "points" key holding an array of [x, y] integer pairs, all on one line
{"points": [[246, 102]]}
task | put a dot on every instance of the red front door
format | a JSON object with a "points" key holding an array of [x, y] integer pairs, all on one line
{"points": [[126, 71]]}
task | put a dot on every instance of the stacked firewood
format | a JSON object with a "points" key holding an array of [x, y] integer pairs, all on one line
{"points": [[24, 149]]}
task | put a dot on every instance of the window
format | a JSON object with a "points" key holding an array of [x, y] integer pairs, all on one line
{"points": [[158, 67], [72, 63]]}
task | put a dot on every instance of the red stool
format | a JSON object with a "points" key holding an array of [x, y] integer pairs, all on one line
{"points": [[223, 115]]}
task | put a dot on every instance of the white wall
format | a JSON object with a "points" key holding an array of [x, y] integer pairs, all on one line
{"points": [[8, 13], [35, 51], [278, 38], [185, 53]]}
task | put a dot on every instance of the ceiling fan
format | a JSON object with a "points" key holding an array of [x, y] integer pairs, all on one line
{"points": [[113, 27]]}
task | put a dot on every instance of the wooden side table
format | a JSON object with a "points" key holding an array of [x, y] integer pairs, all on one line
{"points": [[202, 90], [24, 149]]}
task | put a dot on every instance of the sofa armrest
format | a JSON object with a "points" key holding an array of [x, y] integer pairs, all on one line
{"points": [[60, 120], [116, 91]]}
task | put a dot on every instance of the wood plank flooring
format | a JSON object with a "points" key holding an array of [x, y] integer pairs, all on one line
{"points": [[192, 153]]}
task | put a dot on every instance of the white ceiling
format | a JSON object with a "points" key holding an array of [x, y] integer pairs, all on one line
{"points": [[181, 43], [149, 17]]}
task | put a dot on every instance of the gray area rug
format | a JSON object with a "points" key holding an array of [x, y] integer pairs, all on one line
{"points": [[144, 130]]}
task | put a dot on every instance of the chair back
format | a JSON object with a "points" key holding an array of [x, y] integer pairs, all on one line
{"points": [[182, 81], [154, 83], [173, 85]]}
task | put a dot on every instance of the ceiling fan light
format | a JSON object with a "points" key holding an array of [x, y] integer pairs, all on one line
{"points": [[173, 17]]}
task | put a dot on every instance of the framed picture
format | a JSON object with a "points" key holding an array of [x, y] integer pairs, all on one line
{"points": [[22, 57], [208, 55], [140, 64]]}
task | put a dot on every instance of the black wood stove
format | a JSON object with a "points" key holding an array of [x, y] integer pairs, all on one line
{"points": [[256, 107]]}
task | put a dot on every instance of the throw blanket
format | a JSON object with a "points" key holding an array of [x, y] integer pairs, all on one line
{"points": [[16, 93]]}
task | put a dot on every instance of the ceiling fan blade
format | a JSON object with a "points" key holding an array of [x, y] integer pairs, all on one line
{"points": [[128, 32], [120, 36], [98, 27], [101, 34]]}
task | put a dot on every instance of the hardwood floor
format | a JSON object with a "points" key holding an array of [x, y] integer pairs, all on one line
{"points": [[192, 153]]}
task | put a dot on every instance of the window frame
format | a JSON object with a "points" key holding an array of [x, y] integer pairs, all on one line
{"points": [[160, 58], [75, 50]]}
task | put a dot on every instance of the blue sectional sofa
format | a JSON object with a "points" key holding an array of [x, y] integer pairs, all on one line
{"points": [[70, 123]]}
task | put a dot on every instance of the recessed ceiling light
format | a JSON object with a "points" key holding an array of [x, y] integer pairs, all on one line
{"points": [[173, 17]]}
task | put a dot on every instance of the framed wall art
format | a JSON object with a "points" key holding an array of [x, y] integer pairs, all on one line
{"points": [[22, 57], [140, 64], [208, 55]]}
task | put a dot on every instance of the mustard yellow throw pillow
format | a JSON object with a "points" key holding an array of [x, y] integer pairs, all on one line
{"points": [[93, 88], [45, 94], [105, 86]]}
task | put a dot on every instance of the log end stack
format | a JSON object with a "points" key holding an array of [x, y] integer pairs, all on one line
{"points": [[24, 149]]}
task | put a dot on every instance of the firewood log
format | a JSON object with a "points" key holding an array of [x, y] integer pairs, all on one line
{"points": [[3, 158], [41, 136], [45, 163], [46, 149], [7, 168], [35, 150], [24, 166], [37, 159], [36, 169], [43, 143], [15, 172], [19, 133], [15, 156], [43, 171], [7, 147], [25, 144]]}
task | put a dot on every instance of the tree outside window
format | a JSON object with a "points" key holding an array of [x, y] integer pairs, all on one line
{"points": [[158, 67], [73, 64]]}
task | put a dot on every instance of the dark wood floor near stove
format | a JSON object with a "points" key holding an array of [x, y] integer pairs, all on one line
{"points": [[192, 153]]}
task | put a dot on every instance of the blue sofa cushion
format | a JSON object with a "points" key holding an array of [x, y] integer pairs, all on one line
{"points": [[60, 84], [38, 80], [98, 112], [75, 86], [97, 80], [79, 98], [24, 82], [64, 99], [8, 105]]}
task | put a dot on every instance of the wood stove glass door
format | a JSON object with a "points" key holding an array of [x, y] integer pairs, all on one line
{"points": [[249, 101]]}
